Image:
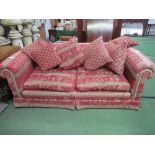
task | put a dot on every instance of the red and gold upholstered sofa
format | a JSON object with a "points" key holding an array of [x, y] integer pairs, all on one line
{"points": [[30, 86]]}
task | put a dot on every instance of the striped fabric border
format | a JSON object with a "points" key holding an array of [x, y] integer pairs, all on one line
{"points": [[70, 61], [76, 94], [48, 83], [100, 84], [60, 51]]}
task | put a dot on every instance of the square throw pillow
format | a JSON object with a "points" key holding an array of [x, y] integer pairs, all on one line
{"points": [[118, 54], [96, 54], [130, 41], [36, 45], [43, 54], [71, 56]]}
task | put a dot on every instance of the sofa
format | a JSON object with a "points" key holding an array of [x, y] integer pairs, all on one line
{"points": [[77, 88]]}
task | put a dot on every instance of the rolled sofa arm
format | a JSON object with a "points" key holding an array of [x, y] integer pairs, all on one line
{"points": [[138, 67], [16, 69]]}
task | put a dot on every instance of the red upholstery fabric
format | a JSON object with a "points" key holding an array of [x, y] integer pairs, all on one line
{"points": [[70, 55], [75, 95], [118, 54], [100, 79], [43, 54], [43, 102], [19, 67], [96, 55], [111, 103], [130, 41], [138, 67], [16, 69], [54, 80], [36, 45], [138, 61]]}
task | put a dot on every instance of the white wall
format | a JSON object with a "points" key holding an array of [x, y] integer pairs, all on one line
{"points": [[47, 27]]}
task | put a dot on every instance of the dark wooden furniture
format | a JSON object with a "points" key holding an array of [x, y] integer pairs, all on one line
{"points": [[99, 27], [6, 51], [82, 30], [90, 29], [54, 35], [117, 26]]}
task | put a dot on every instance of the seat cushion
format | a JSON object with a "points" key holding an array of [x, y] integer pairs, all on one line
{"points": [[101, 79], [54, 80]]}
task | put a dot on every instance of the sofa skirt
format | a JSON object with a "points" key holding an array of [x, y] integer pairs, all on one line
{"points": [[78, 104], [113, 103], [53, 103]]}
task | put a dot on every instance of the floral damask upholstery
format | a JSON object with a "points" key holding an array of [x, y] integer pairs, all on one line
{"points": [[138, 61], [43, 53], [118, 54], [130, 41], [70, 55], [18, 69], [96, 54], [138, 67], [101, 79], [54, 80]]}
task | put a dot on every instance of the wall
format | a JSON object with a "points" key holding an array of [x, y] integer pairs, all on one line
{"points": [[48, 26]]}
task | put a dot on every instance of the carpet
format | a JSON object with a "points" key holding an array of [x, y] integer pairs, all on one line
{"points": [[3, 106]]}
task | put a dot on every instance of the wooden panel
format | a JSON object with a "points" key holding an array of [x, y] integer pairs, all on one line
{"points": [[42, 32], [81, 28], [99, 27], [54, 22], [6, 51], [117, 28]]}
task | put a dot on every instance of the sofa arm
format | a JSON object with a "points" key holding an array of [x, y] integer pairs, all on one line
{"points": [[16, 69], [138, 67]]}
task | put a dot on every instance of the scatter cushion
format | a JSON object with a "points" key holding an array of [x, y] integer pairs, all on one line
{"points": [[43, 53], [130, 41], [71, 56], [36, 45], [100, 79], [53, 80], [96, 55], [118, 54]]}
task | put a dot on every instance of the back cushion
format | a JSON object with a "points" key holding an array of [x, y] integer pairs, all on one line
{"points": [[43, 53], [118, 54], [96, 54], [130, 41], [71, 55]]}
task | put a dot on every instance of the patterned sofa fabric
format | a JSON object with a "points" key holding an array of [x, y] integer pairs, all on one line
{"points": [[138, 61], [16, 70], [138, 67], [101, 79], [91, 99], [54, 80], [89, 95], [44, 102], [70, 56]]}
